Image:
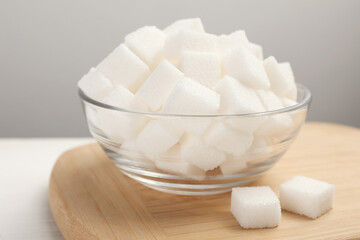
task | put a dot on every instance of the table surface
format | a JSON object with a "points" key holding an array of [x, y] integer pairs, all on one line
{"points": [[24, 177]]}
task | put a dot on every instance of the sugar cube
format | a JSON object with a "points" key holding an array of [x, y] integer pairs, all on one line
{"points": [[196, 152], [171, 162], [117, 125], [95, 85], [274, 124], [157, 88], [232, 165], [259, 150], [122, 66], [307, 196], [147, 43], [255, 207], [256, 50], [229, 140], [129, 151], [281, 78], [203, 67], [185, 40], [287, 102], [236, 98], [172, 154], [227, 43], [241, 64], [269, 100], [156, 138], [190, 97], [194, 24]]}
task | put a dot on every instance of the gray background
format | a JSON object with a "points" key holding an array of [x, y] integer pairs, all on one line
{"points": [[46, 46]]}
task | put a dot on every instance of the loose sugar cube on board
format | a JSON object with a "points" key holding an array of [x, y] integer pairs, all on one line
{"points": [[255, 207], [122, 66], [238, 99], [117, 125], [202, 67], [228, 140], [191, 98], [147, 43], [232, 165], [227, 43], [196, 152], [193, 24], [307, 196], [95, 85], [185, 40], [281, 78], [157, 88], [157, 137], [241, 64]]}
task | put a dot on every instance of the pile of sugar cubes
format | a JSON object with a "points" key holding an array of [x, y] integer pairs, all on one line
{"points": [[184, 70], [259, 207]]}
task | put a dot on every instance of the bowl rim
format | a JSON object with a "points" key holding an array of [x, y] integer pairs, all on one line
{"points": [[305, 102]]}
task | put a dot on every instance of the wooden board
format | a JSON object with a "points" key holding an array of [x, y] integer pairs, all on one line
{"points": [[91, 199]]}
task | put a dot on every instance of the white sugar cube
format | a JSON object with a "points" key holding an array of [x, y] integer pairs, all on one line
{"points": [[274, 124], [181, 168], [185, 40], [287, 102], [147, 43], [260, 144], [171, 162], [256, 50], [122, 66], [193, 24], [227, 43], [241, 64], [245, 123], [156, 138], [259, 150], [121, 97], [95, 85], [190, 97], [202, 67], [117, 125], [172, 154], [255, 207], [196, 152], [281, 78], [237, 98], [226, 139], [269, 100], [128, 150], [232, 165], [157, 88], [307, 196]]}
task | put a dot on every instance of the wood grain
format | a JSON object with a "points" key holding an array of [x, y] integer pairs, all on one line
{"points": [[91, 199]]}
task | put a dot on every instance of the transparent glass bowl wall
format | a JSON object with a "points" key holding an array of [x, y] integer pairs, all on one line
{"points": [[131, 162]]}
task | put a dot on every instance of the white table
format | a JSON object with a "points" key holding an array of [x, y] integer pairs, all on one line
{"points": [[24, 175]]}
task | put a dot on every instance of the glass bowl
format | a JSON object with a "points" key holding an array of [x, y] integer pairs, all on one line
{"points": [[274, 131]]}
